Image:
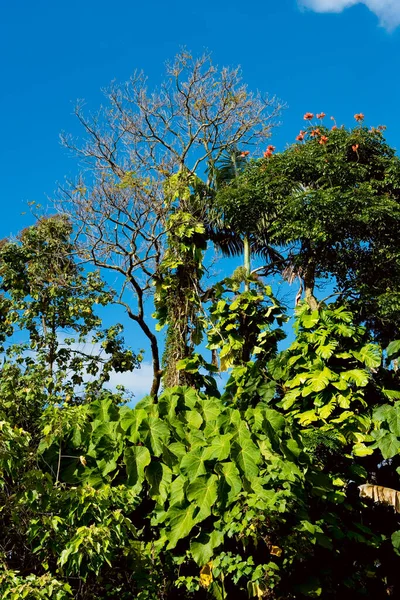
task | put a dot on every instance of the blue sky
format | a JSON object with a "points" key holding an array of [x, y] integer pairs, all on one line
{"points": [[55, 52], [336, 56]]}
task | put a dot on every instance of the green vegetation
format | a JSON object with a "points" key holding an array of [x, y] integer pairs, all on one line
{"points": [[283, 483]]}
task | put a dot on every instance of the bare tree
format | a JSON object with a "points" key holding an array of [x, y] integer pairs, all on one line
{"points": [[133, 147]]}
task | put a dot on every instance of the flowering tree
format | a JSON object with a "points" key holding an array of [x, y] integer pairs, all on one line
{"points": [[330, 203]]}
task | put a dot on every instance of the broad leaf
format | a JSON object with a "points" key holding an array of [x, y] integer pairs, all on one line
{"points": [[136, 459], [181, 523], [203, 492]]}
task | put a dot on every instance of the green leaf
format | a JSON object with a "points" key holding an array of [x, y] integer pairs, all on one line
{"points": [[370, 355], [203, 548], [192, 464], [357, 376], [104, 410], [181, 523], [319, 380], [362, 450], [210, 409], [159, 477], [309, 320], [203, 491], [393, 350], [391, 415], [248, 457], [275, 419], [231, 476], [307, 417], [388, 444], [219, 448], [155, 432], [326, 350], [130, 421], [396, 542], [194, 419], [391, 394], [136, 459], [177, 491]]}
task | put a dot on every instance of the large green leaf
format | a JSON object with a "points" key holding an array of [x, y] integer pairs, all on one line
{"points": [[396, 542], [387, 442], [309, 320], [155, 433], [181, 523], [136, 459], [274, 419], [219, 448], [393, 350], [104, 410], [177, 491], [390, 415], [231, 477], [192, 464], [203, 548], [248, 457], [357, 376], [319, 380], [159, 477], [193, 418], [203, 492], [370, 355], [131, 420]]}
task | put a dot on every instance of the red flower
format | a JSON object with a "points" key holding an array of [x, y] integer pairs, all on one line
{"points": [[381, 127], [315, 132], [300, 137], [355, 147], [321, 115], [334, 128], [359, 117], [244, 153], [269, 151], [323, 140], [308, 116]]}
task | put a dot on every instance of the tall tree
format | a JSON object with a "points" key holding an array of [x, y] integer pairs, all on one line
{"points": [[146, 153]]}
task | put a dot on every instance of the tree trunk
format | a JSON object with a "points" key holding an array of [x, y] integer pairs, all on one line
{"points": [[247, 260], [309, 284], [182, 315]]}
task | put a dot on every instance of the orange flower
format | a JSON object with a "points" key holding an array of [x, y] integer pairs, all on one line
{"points": [[323, 140], [308, 116], [315, 132], [300, 137], [359, 117], [334, 128], [321, 115], [244, 153], [269, 151], [355, 147], [381, 127]]}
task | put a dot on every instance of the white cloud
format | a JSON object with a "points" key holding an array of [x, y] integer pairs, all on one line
{"points": [[388, 11], [138, 382]]}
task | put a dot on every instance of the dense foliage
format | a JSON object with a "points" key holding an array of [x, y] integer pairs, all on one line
{"points": [[279, 480]]}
